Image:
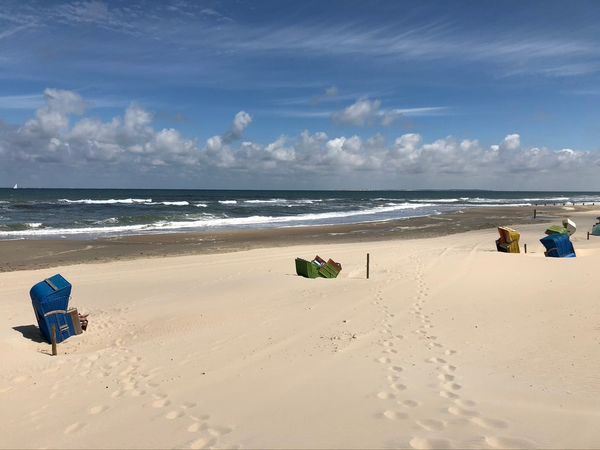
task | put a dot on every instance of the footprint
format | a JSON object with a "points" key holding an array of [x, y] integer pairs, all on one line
{"points": [[465, 403], [384, 360], [398, 387], [431, 424], [436, 360], [188, 405], [410, 403], [456, 411], [385, 395], [395, 369], [509, 442], [116, 394], [197, 426], [452, 386], [394, 415], [488, 423], [429, 443], [97, 409], [445, 377], [173, 415], [447, 394], [73, 428], [218, 431], [203, 442], [161, 403]]}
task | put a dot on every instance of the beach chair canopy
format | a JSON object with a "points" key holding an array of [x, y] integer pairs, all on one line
{"points": [[596, 230], [570, 226], [556, 229], [558, 246]]}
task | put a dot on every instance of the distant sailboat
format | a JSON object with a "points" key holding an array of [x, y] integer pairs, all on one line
{"points": [[16, 186]]}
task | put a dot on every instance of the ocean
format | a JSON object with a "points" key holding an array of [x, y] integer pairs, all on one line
{"points": [[92, 213]]}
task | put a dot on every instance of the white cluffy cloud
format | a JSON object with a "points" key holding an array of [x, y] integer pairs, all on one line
{"points": [[60, 134], [369, 112]]}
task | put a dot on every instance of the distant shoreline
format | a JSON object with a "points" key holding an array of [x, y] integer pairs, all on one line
{"points": [[37, 254]]}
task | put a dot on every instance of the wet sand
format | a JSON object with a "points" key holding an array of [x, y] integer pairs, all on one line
{"points": [[37, 254]]}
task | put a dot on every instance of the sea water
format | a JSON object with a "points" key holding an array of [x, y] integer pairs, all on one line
{"points": [[89, 213]]}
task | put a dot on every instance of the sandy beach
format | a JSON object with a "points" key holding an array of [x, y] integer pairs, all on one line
{"points": [[449, 344]]}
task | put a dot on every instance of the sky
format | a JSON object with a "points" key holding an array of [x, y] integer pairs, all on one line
{"points": [[300, 95]]}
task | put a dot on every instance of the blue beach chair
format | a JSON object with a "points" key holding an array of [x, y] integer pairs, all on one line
{"points": [[558, 246], [50, 300]]}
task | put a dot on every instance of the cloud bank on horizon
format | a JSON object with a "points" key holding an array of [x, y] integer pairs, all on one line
{"points": [[341, 94], [60, 140]]}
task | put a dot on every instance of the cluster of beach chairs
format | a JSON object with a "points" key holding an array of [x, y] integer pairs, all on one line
{"points": [[557, 241], [318, 267], [57, 321]]}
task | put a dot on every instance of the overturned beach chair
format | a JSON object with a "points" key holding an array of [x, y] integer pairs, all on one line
{"points": [[558, 246], [318, 267], [509, 240], [50, 300]]}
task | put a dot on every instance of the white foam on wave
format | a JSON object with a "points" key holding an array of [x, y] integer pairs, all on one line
{"points": [[109, 220], [228, 202], [201, 205], [497, 205], [272, 200], [283, 202], [110, 201], [180, 203], [211, 221], [437, 200]]}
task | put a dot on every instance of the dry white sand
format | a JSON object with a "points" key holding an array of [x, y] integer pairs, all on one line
{"points": [[449, 344]]}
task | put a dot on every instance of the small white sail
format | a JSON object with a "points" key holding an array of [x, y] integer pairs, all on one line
{"points": [[15, 186]]}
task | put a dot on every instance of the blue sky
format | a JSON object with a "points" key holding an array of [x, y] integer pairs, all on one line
{"points": [[261, 75]]}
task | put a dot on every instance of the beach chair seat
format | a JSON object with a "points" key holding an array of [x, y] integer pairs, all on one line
{"points": [[502, 246]]}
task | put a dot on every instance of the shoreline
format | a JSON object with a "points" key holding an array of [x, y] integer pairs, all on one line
{"points": [[18, 255]]}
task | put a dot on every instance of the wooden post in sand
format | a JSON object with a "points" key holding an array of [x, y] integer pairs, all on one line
{"points": [[588, 236], [53, 338], [367, 266], [534, 213], [525, 245]]}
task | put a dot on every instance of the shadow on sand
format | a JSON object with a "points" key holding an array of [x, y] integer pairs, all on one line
{"points": [[30, 332]]}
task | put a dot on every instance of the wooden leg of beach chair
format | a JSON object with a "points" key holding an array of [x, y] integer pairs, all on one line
{"points": [[53, 340]]}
